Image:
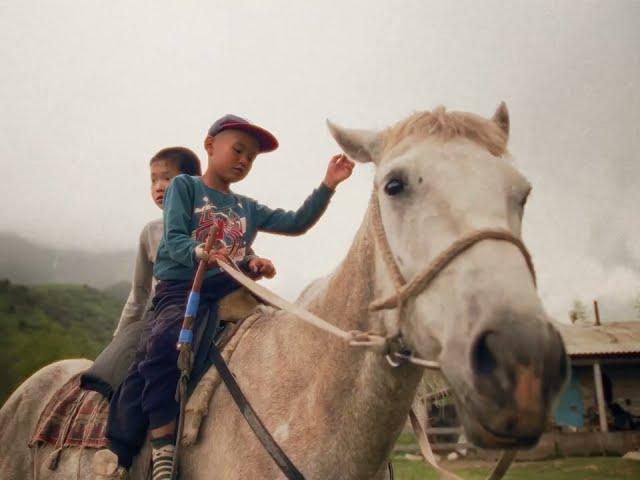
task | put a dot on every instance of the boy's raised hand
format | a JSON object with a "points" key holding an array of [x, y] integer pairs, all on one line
{"points": [[339, 169], [261, 267]]}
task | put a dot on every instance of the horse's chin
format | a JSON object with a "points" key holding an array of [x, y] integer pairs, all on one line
{"points": [[482, 436]]}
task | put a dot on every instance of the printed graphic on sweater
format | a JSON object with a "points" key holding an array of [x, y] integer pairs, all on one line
{"points": [[231, 227]]}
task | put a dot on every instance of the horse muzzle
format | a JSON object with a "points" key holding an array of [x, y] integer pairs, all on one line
{"points": [[506, 388]]}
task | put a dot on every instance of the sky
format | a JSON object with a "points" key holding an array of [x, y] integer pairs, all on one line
{"points": [[90, 90]]}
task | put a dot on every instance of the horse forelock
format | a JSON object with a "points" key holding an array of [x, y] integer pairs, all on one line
{"points": [[445, 126]]}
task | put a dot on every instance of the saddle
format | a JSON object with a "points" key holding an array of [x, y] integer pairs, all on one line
{"points": [[76, 416]]}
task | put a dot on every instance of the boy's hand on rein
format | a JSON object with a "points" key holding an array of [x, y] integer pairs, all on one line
{"points": [[261, 267], [215, 254], [339, 169]]}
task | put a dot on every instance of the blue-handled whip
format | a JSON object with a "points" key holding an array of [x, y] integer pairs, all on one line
{"points": [[185, 341]]}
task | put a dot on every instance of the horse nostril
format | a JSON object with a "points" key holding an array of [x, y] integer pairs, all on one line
{"points": [[483, 360], [510, 423]]}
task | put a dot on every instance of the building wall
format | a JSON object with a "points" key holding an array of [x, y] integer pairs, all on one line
{"points": [[570, 408], [625, 384], [557, 444]]}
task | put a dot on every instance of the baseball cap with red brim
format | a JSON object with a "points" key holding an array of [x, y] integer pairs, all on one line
{"points": [[266, 141]]}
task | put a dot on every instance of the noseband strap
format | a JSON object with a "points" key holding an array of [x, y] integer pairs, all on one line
{"points": [[405, 290]]}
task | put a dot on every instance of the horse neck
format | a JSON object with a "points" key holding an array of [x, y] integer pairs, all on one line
{"points": [[345, 295], [369, 401]]}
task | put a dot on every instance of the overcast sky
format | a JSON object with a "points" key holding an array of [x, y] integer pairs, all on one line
{"points": [[89, 90]]}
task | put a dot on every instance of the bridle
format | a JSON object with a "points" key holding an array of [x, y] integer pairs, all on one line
{"points": [[397, 352], [392, 344]]}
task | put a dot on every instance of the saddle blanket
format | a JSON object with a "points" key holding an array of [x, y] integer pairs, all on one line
{"points": [[77, 417], [73, 417]]}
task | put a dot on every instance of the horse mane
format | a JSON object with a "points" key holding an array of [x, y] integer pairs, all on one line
{"points": [[448, 125]]}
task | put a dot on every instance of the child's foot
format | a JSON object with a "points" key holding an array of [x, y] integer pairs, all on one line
{"points": [[105, 466], [163, 458]]}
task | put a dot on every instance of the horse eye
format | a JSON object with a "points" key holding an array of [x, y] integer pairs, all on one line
{"points": [[394, 187]]}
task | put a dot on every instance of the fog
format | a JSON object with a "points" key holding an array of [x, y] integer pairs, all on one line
{"points": [[90, 90]]}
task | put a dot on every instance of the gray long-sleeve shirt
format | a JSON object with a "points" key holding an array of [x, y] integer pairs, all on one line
{"points": [[143, 283]]}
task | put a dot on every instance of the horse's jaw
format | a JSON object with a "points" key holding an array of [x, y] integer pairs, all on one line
{"points": [[503, 359], [476, 421], [484, 437]]}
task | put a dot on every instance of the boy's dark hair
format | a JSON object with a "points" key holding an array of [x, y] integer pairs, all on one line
{"points": [[184, 159]]}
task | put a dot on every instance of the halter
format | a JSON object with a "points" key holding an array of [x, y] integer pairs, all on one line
{"points": [[392, 345], [397, 352]]}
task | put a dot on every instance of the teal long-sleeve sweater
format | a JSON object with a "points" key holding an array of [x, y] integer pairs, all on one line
{"points": [[190, 208]]}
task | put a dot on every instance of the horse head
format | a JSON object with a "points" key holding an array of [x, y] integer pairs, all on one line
{"points": [[442, 177]]}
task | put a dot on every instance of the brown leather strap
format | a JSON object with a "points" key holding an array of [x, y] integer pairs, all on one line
{"points": [[273, 449], [418, 418]]}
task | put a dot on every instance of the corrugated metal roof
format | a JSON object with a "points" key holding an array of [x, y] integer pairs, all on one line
{"points": [[615, 338]]}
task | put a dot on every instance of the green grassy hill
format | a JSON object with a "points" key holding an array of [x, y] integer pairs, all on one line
{"points": [[42, 324]]}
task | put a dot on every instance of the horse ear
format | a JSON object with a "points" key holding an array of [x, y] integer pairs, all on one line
{"points": [[360, 145], [501, 118]]}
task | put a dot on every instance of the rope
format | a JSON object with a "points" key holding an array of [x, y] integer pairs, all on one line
{"points": [[85, 435], [279, 302], [506, 459], [79, 462], [423, 442], [422, 280], [419, 425], [34, 461], [54, 458], [404, 291], [383, 242]]}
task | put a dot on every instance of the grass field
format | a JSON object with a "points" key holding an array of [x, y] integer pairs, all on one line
{"points": [[584, 468]]}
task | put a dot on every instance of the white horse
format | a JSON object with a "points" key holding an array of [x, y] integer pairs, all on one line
{"points": [[441, 180]]}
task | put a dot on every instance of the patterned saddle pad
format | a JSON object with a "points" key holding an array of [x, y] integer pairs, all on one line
{"points": [[73, 417], [77, 417]]}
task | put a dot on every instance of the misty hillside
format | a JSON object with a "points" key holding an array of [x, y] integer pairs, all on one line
{"points": [[119, 291], [45, 323], [23, 261]]}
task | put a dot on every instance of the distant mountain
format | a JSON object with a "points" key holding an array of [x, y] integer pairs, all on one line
{"points": [[26, 262], [45, 323]]}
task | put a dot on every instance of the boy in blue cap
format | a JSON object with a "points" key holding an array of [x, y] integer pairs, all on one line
{"points": [[191, 206]]}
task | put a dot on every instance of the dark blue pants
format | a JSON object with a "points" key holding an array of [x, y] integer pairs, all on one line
{"points": [[146, 397]]}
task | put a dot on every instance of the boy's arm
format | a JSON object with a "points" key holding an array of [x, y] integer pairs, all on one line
{"points": [[178, 208], [140, 286], [298, 222]]}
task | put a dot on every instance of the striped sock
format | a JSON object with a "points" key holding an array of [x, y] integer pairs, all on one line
{"points": [[163, 457]]}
